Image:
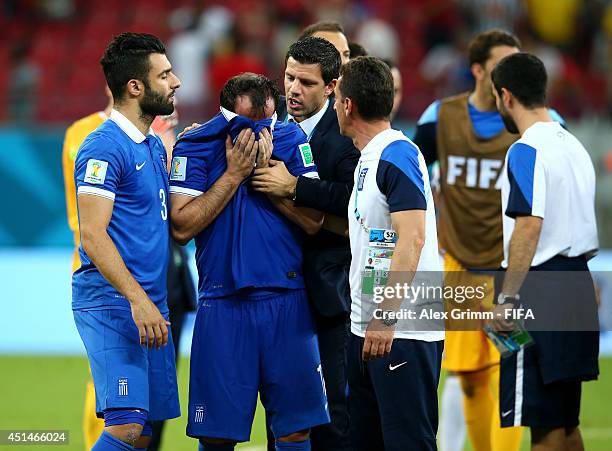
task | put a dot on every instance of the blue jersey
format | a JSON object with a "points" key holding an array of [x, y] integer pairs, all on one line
{"points": [[250, 245], [118, 162], [487, 124]]}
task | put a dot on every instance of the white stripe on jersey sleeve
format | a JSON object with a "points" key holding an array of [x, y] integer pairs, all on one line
{"points": [[96, 192], [185, 191]]}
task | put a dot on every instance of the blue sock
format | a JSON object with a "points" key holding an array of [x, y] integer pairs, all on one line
{"points": [[107, 442], [216, 447], [292, 446]]}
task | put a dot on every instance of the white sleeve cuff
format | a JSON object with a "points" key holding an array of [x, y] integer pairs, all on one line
{"points": [[185, 191], [96, 192]]}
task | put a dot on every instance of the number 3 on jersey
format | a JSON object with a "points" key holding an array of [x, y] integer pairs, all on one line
{"points": [[164, 211]]}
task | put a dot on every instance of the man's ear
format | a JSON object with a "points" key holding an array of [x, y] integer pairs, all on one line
{"points": [[507, 98], [477, 71], [135, 88], [348, 106], [331, 86]]}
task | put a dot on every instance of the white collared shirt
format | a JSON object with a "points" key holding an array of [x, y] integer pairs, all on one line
{"points": [[229, 115], [549, 174], [308, 125], [128, 127]]}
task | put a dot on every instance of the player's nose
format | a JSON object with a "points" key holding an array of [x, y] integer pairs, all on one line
{"points": [[294, 88], [176, 83]]}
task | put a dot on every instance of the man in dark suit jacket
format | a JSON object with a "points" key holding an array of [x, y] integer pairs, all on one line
{"points": [[313, 66]]}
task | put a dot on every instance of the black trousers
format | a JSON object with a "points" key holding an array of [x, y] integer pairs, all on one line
{"points": [[394, 400], [333, 336]]}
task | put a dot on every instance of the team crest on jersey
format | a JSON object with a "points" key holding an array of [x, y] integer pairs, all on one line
{"points": [[361, 178], [96, 171], [179, 169], [306, 153], [123, 386], [198, 416]]}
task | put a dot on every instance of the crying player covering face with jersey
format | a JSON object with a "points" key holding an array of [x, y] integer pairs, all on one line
{"points": [[253, 332]]}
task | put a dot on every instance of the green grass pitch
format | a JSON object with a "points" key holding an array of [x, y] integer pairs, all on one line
{"points": [[48, 392]]}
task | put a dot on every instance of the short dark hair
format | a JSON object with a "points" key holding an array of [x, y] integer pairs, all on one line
{"points": [[524, 75], [368, 82], [325, 25], [127, 58], [479, 49], [357, 50], [311, 50], [257, 87]]}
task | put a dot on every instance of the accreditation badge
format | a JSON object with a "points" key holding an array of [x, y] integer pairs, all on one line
{"points": [[381, 245]]}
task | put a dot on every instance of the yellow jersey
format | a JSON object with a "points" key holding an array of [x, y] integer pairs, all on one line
{"points": [[75, 135]]}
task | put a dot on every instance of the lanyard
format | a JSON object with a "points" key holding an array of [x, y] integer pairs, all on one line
{"points": [[358, 216]]}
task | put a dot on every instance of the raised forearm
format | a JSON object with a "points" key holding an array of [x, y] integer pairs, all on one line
{"points": [[306, 218], [191, 218], [336, 224], [323, 195]]}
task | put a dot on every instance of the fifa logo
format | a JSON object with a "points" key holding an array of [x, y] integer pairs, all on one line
{"points": [[483, 173], [95, 167], [177, 165], [199, 414], [123, 386]]}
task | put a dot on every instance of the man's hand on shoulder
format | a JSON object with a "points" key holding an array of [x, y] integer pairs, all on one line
{"points": [[188, 129]]}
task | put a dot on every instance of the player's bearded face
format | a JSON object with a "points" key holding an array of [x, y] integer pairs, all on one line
{"points": [[508, 121], [157, 103]]}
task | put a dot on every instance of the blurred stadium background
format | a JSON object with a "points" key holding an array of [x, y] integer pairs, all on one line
{"points": [[49, 53]]}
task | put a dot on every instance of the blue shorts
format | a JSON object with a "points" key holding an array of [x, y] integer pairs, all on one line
{"points": [[540, 385], [242, 346], [126, 374], [526, 400]]}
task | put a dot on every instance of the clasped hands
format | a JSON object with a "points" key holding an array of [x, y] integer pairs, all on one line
{"points": [[270, 176]]}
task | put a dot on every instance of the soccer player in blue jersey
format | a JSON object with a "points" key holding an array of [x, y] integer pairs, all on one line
{"points": [[254, 331], [119, 292]]}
